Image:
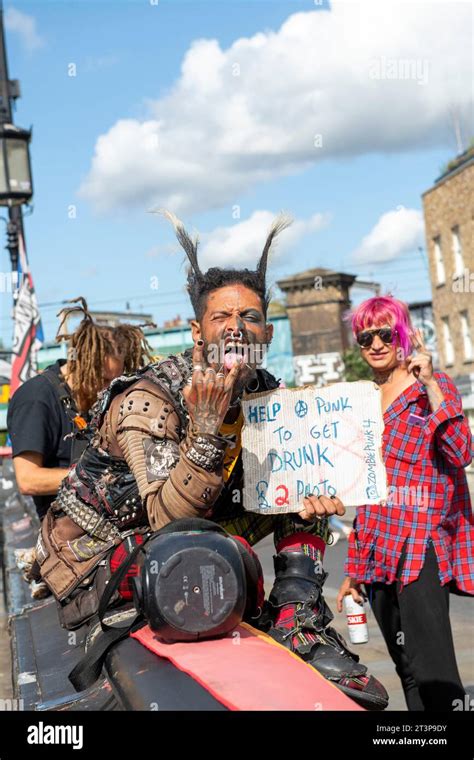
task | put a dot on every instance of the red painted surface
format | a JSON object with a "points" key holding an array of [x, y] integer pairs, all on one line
{"points": [[247, 670]]}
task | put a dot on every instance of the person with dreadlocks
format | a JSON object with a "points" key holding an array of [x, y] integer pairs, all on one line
{"points": [[48, 410], [168, 446]]}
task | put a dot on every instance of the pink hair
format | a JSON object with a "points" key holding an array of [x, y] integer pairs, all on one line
{"points": [[384, 310]]}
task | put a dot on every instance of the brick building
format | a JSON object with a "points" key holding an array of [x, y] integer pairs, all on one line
{"points": [[449, 227], [316, 301]]}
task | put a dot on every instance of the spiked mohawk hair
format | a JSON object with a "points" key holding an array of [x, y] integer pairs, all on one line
{"points": [[200, 284]]}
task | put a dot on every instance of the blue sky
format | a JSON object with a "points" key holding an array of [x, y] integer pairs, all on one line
{"points": [[384, 140]]}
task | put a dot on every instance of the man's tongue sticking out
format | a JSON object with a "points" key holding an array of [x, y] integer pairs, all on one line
{"points": [[234, 352], [231, 358]]}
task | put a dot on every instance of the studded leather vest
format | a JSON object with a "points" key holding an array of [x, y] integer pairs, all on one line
{"points": [[105, 482]]}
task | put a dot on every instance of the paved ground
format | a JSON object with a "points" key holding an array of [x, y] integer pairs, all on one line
{"points": [[374, 653]]}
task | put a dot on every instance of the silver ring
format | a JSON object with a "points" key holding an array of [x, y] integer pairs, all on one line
{"points": [[189, 381], [220, 374], [210, 369], [197, 368]]}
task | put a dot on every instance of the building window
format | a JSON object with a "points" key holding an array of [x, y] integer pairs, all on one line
{"points": [[466, 335], [447, 341], [439, 263], [457, 252]]}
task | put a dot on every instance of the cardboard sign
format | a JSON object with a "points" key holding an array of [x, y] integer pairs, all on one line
{"points": [[322, 441]]}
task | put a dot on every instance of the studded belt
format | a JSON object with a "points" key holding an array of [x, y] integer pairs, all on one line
{"points": [[85, 516]]}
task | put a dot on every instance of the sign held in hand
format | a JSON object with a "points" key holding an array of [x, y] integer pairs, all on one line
{"points": [[321, 441]]}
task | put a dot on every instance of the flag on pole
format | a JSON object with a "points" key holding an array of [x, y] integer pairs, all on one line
{"points": [[28, 334]]}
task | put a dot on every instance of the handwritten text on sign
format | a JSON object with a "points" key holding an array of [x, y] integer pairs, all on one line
{"points": [[322, 441]]}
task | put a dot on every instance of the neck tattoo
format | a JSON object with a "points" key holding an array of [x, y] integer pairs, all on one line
{"points": [[381, 378]]}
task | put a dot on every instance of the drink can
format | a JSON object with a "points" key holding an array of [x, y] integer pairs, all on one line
{"points": [[356, 620]]}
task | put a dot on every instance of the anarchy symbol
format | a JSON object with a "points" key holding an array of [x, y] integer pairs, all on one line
{"points": [[301, 408]]}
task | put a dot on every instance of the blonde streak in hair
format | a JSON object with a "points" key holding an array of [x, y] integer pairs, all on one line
{"points": [[282, 221], [178, 226], [171, 217]]}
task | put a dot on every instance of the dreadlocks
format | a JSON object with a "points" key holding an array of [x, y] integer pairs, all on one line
{"points": [[199, 285], [89, 346]]}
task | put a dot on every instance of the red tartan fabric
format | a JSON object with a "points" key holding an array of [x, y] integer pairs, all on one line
{"points": [[119, 555], [428, 494], [314, 547]]}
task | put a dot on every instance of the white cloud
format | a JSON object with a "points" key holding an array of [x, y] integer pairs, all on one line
{"points": [[25, 26], [364, 77], [241, 244], [396, 232]]}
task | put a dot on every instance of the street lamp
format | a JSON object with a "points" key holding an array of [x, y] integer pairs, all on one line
{"points": [[16, 186]]}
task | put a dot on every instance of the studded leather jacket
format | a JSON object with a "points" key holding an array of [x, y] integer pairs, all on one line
{"points": [[142, 468]]}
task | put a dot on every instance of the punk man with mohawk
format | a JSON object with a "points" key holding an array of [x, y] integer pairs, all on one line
{"points": [[169, 438]]}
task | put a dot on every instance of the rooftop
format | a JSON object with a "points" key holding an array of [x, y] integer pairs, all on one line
{"points": [[455, 166], [306, 279]]}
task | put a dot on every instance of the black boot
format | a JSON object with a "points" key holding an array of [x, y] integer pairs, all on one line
{"points": [[298, 587]]}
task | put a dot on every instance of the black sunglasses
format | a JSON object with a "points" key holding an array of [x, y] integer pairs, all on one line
{"points": [[366, 338]]}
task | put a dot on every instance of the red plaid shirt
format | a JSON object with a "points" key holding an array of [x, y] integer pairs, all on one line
{"points": [[428, 494]]}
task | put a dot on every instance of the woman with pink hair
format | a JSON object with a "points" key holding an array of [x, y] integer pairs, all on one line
{"points": [[413, 549]]}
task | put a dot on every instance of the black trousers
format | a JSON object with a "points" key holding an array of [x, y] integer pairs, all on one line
{"points": [[416, 628]]}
